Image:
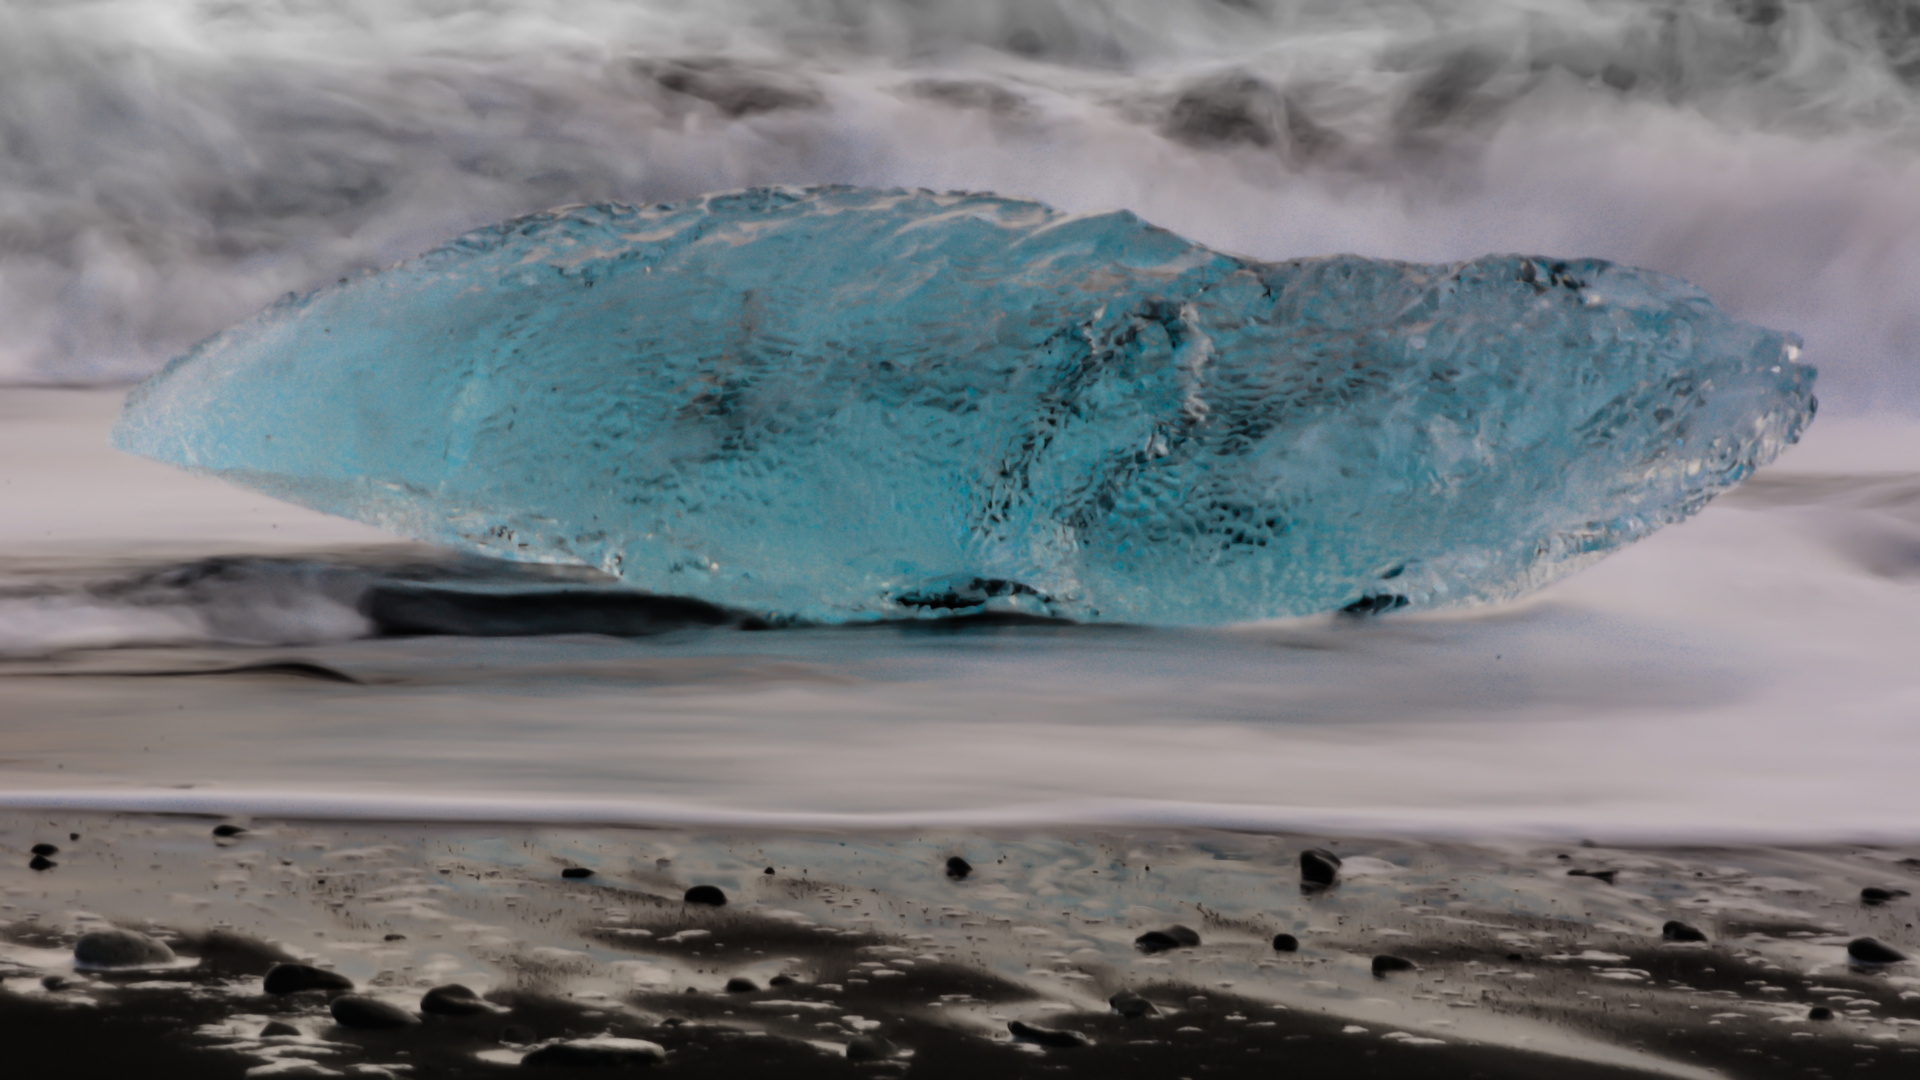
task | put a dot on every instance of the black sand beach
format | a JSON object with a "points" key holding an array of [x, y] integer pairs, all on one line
{"points": [[865, 955]]}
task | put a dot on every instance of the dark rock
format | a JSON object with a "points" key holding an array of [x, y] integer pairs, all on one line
{"points": [[958, 867], [226, 830], [354, 1011], [237, 954], [1129, 1004], [1819, 1012], [738, 985], [119, 949], [706, 894], [603, 1053], [1868, 951], [1873, 895], [394, 937], [54, 982], [517, 1035], [44, 849], [769, 871], [1603, 875], [1049, 1037], [452, 1000], [1285, 943], [1386, 962], [278, 1027], [782, 980], [1173, 937], [295, 978], [1318, 866], [41, 862], [870, 1048], [1675, 930], [576, 872]]}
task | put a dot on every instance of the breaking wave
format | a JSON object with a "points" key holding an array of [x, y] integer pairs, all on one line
{"points": [[170, 166]]}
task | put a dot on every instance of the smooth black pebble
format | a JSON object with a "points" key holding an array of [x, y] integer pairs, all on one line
{"points": [[1675, 930], [41, 862], [354, 1011], [278, 1027], [394, 937], [782, 980], [1868, 951], [1318, 866], [958, 867], [119, 949], [769, 871], [54, 982], [1819, 1012], [44, 849], [1386, 962], [452, 999], [1868, 895], [738, 985], [1285, 943], [225, 830], [706, 894], [295, 978], [576, 872], [870, 1048], [1039, 1036], [1173, 937], [1129, 1004]]}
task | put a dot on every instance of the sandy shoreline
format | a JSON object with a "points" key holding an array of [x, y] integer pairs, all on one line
{"points": [[1528, 960]]}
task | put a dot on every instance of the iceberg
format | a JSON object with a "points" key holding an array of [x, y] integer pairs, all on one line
{"points": [[831, 404]]}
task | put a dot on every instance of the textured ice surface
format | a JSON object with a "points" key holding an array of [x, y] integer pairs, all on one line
{"points": [[838, 403]]}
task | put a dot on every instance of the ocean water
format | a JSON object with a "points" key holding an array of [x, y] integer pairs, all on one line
{"points": [[169, 646]]}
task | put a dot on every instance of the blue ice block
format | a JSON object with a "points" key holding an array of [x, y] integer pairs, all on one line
{"points": [[835, 403]]}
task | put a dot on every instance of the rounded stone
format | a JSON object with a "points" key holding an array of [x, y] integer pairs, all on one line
{"points": [[782, 980], [1386, 962], [41, 862], [1875, 895], [44, 849], [1048, 1037], [958, 868], [706, 894], [452, 999], [1129, 1004], [278, 1027], [1868, 951], [355, 1011], [1675, 930], [295, 978], [227, 830], [1819, 1012], [1318, 866], [602, 1053], [739, 985], [576, 872], [119, 949], [1285, 943]]}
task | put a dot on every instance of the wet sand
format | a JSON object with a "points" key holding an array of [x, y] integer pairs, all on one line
{"points": [[1526, 960]]}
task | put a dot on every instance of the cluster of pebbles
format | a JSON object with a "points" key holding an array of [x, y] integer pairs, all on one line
{"points": [[408, 950]]}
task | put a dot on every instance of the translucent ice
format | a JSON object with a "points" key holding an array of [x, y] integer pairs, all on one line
{"points": [[838, 403]]}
